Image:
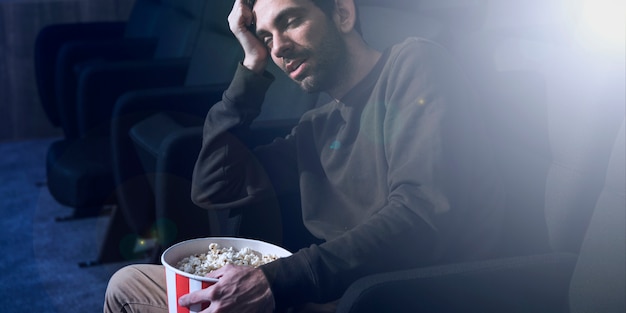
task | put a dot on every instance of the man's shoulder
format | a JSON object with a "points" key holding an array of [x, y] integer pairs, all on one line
{"points": [[415, 41], [415, 48], [418, 59]]}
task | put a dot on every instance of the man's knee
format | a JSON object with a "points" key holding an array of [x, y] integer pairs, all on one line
{"points": [[135, 286], [120, 279], [116, 293]]}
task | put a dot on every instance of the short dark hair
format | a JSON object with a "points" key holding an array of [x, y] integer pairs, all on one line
{"points": [[328, 7]]}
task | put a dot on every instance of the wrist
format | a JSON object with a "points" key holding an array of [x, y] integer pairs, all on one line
{"points": [[255, 65]]}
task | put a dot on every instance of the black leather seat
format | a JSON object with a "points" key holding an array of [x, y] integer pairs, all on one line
{"points": [[78, 168], [82, 99], [139, 28]]}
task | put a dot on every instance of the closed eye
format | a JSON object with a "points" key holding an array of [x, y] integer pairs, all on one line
{"points": [[285, 20], [289, 23], [294, 21], [267, 41]]}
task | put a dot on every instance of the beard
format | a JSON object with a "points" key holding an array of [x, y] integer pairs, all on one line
{"points": [[329, 62]]}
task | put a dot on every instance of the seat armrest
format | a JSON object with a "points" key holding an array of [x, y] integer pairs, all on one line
{"points": [[151, 132], [191, 100], [538, 283], [171, 153], [186, 106], [177, 155], [100, 86]]}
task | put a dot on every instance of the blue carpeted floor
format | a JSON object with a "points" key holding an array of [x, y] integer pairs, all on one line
{"points": [[39, 262]]}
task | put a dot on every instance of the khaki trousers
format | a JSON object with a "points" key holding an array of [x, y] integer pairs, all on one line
{"points": [[137, 288], [141, 288]]}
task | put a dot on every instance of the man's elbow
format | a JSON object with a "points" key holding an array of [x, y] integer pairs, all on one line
{"points": [[200, 197], [215, 195]]}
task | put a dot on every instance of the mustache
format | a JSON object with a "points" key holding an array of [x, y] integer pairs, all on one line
{"points": [[289, 57]]}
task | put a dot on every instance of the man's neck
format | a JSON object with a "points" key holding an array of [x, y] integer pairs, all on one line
{"points": [[361, 61]]}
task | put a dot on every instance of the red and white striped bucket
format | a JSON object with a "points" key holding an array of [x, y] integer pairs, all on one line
{"points": [[180, 283]]}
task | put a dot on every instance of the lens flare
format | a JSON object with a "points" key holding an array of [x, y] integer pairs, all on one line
{"points": [[603, 23]]}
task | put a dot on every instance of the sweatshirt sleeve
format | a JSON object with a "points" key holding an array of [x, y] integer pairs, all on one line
{"points": [[227, 174], [437, 182]]}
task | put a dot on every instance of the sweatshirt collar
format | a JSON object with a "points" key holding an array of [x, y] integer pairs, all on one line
{"points": [[362, 90]]}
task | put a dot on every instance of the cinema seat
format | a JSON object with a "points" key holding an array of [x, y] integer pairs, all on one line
{"points": [[78, 167], [139, 30]]}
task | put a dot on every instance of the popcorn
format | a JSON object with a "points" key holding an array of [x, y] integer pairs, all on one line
{"points": [[216, 257]]}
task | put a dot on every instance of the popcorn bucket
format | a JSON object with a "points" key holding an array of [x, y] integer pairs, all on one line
{"points": [[180, 283]]}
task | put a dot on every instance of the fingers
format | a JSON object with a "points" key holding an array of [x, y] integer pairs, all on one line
{"points": [[240, 20], [241, 17], [196, 297], [218, 273], [205, 295]]}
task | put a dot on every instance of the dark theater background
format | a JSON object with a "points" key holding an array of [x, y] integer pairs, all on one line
{"points": [[39, 262]]}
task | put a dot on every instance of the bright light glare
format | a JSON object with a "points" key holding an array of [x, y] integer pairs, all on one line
{"points": [[603, 22]]}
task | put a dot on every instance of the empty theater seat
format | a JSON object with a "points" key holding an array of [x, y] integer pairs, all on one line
{"points": [[138, 30], [78, 168]]}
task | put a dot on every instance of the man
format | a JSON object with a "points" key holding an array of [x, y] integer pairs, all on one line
{"points": [[394, 173]]}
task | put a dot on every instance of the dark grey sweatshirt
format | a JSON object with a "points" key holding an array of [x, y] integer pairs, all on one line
{"points": [[396, 174]]}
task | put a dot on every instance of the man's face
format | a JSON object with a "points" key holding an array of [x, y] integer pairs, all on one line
{"points": [[302, 41]]}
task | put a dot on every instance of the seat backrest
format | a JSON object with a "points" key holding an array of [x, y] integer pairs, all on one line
{"points": [[598, 283], [143, 19], [586, 108], [178, 27], [217, 52], [516, 110], [582, 111]]}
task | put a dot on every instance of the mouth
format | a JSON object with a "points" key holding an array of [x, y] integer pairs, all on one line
{"points": [[294, 68]]}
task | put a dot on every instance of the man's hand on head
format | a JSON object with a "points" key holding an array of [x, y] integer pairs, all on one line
{"points": [[241, 20], [240, 289]]}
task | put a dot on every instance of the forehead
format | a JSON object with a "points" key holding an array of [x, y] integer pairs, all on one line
{"points": [[267, 11]]}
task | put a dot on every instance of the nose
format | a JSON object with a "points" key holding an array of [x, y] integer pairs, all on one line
{"points": [[282, 46]]}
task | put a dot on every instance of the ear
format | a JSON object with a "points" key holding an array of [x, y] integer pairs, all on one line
{"points": [[345, 15]]}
